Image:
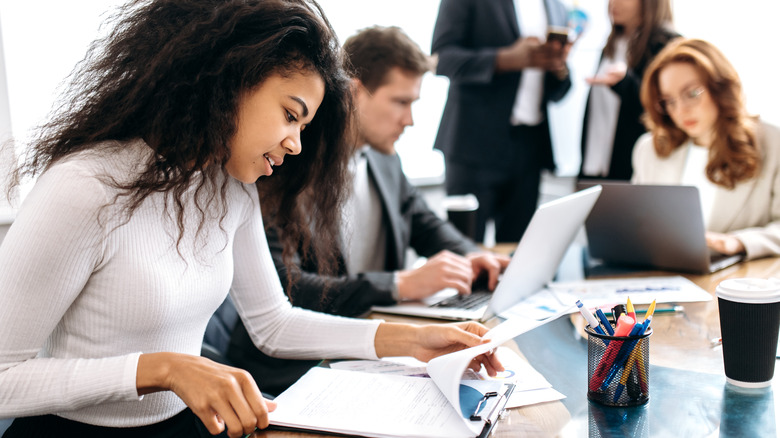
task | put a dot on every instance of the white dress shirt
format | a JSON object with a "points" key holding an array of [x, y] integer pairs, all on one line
{"points": [[363, 232], [532, 21], [603, 117]]}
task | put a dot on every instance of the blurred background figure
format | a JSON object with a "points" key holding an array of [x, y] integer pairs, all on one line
{"points": [[611, 126], [702, 135], [494, 131]]}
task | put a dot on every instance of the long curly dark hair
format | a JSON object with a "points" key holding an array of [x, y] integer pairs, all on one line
{"points": [[172, 72]]}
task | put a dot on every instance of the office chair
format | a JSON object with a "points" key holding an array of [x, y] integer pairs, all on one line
{"points": [[218, 332]]}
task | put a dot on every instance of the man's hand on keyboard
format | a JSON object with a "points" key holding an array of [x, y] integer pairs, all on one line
{"points": [[489, 264], [445, 269]]}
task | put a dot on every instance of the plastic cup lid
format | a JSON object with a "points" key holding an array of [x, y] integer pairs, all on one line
{"points": [[749, 290]]}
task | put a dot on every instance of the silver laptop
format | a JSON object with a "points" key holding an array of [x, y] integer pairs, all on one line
{"points": [[652, 226], [533, 265]]}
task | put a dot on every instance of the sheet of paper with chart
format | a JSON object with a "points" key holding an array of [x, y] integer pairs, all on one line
{"points": [[383, 404], [531, 387], [561, 296]]}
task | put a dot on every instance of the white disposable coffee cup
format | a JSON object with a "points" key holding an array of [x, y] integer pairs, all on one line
{"points": [[749, 310]]}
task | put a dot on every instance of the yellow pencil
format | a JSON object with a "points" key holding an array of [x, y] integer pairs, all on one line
{"points": [[649, 314], [627, 370]]}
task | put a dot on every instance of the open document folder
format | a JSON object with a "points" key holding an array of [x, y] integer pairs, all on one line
{"points": [[379, 405]]}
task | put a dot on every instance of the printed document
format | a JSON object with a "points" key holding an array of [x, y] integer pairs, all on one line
{"points": [[390, 405]]}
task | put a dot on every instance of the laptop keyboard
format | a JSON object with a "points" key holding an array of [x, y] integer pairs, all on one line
{"points": [[476, 299]]}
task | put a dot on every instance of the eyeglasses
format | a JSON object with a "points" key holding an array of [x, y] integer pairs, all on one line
{"points": [[688, 97]]}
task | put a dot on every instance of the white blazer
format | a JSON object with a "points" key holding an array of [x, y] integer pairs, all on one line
{"points": [[750, 211]]}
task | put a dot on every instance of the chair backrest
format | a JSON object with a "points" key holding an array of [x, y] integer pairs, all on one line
{"points": [[5, 423], [218, 332]]}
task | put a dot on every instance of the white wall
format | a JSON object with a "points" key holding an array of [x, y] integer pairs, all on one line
{"points": [[747, 33], [7, 153]]}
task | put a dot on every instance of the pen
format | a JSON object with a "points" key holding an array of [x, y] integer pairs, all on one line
{"points": [[672, 309], [625, 325], [646, 324], [626, 372], [605, 321], [622, 355], [589, 318]]}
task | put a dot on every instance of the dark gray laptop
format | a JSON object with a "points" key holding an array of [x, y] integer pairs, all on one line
{"points": [[651, 226]]}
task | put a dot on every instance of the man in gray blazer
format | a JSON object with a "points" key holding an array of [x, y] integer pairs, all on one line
{"points": [[494, 132], [384, 216]]}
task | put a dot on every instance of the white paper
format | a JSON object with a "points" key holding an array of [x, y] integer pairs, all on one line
{"points": [[376, 405], [399, 366], [385, 404], [607, 293], [441, 368], [516, 370], [532, 397]]}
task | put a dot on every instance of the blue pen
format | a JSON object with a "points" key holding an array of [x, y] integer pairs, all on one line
{"points": [[605, 321], [622, 356], [619, 389]]}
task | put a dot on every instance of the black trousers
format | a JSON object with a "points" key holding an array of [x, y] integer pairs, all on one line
{"points": [[509, 193], [183, 425]]}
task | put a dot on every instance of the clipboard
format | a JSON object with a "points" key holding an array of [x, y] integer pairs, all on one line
{"points": [[497, 409]]}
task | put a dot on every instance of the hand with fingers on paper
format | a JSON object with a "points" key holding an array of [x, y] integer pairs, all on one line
{"points": [[425, 342]]}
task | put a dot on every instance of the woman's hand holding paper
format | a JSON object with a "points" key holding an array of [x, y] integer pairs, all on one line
{"points": [[428, 341]]}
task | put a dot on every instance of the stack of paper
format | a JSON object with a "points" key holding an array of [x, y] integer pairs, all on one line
{"points": [[412, 399]]}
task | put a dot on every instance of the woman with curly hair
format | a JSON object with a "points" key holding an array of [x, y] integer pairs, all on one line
{"points": [[702, 135], [146, 212]]}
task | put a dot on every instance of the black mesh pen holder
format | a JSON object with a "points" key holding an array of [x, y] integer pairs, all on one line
{"points": [[619, 369]]}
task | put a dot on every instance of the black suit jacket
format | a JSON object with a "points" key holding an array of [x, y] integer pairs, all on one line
{"points": [[475, 125], [409, 224], [629, 123]]}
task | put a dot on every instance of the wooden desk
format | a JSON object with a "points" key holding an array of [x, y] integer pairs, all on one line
{"points": [[679, 342], [691, 330]]}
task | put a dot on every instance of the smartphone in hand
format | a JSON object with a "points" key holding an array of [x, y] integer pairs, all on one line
{"points": [[558, 33]]}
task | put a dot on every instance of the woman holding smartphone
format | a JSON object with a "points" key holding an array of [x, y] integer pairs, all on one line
{"points": [[611, 126], [145, 214], [702, 135]]}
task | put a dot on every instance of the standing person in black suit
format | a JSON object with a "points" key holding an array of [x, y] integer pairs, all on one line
{"points": [[494, 131], [612, 125], [384, 216]]}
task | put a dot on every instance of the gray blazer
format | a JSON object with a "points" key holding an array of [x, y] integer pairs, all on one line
{"points": [[409, 224], [751, 211]]}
